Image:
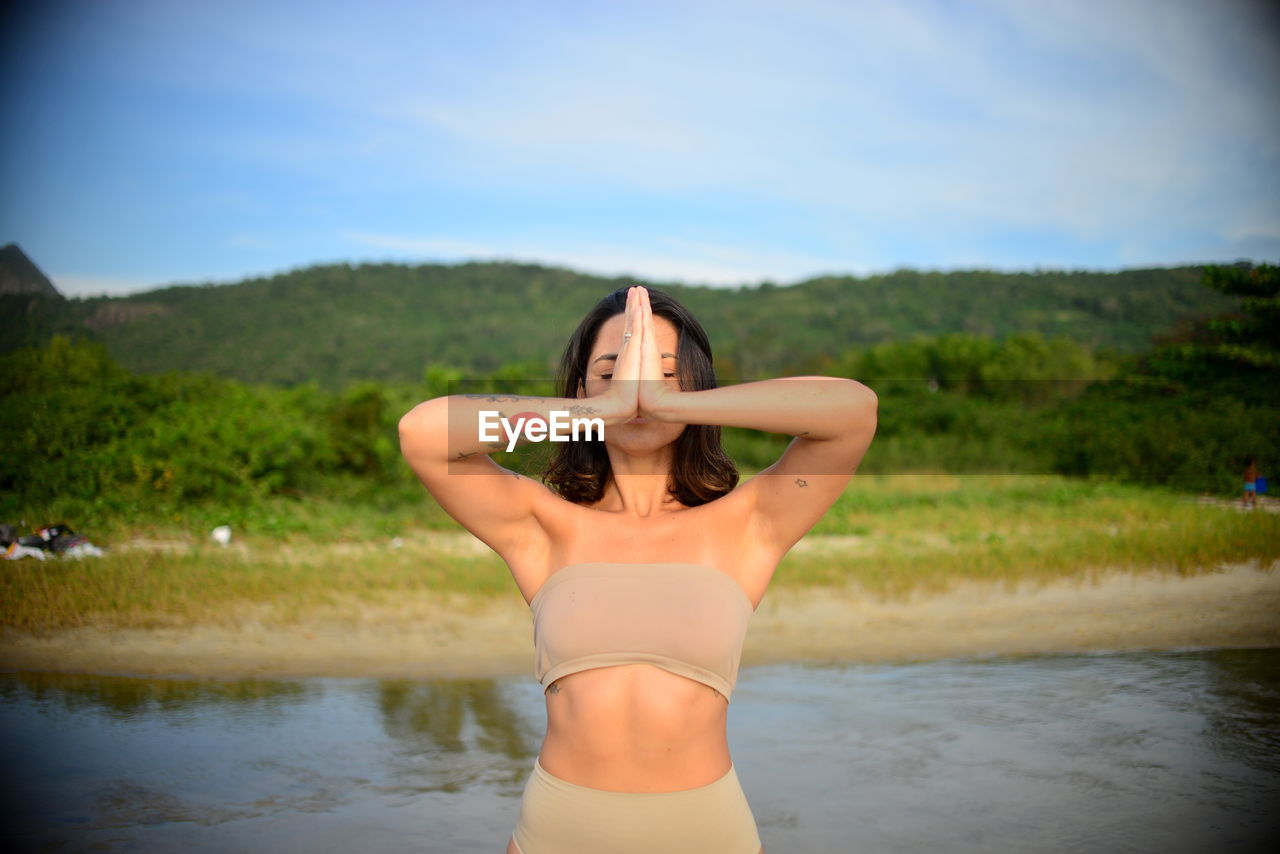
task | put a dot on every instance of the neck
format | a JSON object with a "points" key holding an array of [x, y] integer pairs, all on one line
{"points": [[639, 485]]}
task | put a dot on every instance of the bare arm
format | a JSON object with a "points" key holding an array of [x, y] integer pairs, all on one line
{"points": [[442, 441], [832, 418], [464, 417], [814, 407]]}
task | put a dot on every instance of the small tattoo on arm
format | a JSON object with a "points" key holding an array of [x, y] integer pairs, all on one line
{"points": [[801, 482], [499, 398], [554, 688], [466, 455]]}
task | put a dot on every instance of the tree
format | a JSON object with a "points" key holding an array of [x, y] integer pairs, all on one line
{"points": [[1236, 353]]}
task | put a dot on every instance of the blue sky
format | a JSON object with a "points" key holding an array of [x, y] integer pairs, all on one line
{"points": [[152, 143]]}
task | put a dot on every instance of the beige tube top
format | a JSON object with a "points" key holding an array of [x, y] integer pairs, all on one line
{"points": [[687, 618]]}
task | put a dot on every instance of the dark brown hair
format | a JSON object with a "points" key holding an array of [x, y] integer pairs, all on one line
{"points": [[701, 471]]}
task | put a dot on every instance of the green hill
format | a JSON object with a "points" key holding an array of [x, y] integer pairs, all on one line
{"points": [[338, 323]]}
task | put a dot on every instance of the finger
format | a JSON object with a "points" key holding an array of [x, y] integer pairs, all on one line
{"points": [[627, 363], [637, 320], [628, 321], [650, 336]]}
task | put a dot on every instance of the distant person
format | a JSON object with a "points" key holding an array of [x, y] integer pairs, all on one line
{"points": [[1250, 483], [643, 566]]}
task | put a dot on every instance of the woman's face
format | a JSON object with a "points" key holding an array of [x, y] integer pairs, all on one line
{"points": [[600, 373]]}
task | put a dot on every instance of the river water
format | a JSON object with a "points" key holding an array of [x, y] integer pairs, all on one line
{"points": [[1134, 752]]}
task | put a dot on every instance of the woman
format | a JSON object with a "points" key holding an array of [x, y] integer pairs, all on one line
{"points": [[643, 567]]}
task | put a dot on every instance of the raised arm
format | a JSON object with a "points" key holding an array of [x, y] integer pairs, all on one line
{"points": [[832, 418], [441, 440]]}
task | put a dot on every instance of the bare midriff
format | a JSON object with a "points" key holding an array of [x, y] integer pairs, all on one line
{"points": [[635, 728]]}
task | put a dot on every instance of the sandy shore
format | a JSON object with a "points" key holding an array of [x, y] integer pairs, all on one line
{"points": [[1236, 606]]}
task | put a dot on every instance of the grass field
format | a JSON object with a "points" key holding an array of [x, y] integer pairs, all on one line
{"points": [[888, 535]]}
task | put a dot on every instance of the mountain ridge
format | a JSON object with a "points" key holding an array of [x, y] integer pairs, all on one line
{"points": [[20, 275], [338, 323]]}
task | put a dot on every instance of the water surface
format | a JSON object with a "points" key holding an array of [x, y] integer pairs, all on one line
{"points": [[1146, 752]]}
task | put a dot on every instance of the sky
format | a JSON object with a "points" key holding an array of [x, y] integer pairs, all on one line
{"points": [[698, 141]]}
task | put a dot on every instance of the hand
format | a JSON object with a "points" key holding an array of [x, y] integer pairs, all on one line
{"points": [[656, 394], [620, 400]]}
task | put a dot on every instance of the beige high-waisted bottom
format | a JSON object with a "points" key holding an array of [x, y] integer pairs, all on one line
{"points": [[559, 817]]}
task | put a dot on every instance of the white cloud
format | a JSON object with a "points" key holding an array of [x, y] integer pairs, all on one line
{"points": [[1005, 117], [895, 132], [71, 284], [663, 258], [1045, 115]]}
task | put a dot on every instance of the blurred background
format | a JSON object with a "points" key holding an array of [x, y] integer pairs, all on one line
{"points": [[241, 239]]}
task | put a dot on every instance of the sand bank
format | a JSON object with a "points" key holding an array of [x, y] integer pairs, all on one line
{"points": [[1236, 606]]}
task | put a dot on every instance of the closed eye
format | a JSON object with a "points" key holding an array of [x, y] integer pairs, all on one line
{"points": [[610, 376]]}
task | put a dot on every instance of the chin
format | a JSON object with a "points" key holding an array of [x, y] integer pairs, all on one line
{"points": [[640, 440]]}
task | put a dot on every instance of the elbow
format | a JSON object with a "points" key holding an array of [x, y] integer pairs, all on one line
{"points": [[416, 425], [409, 422], [408, 434], [864, 399], [420, 412], [870, 396], [866, 407]]}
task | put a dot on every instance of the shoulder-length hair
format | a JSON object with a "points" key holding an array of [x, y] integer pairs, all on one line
{"points": [[701, 471]]}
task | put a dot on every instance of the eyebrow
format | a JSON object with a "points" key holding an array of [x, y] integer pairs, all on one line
{"points": [[615, 356]]}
